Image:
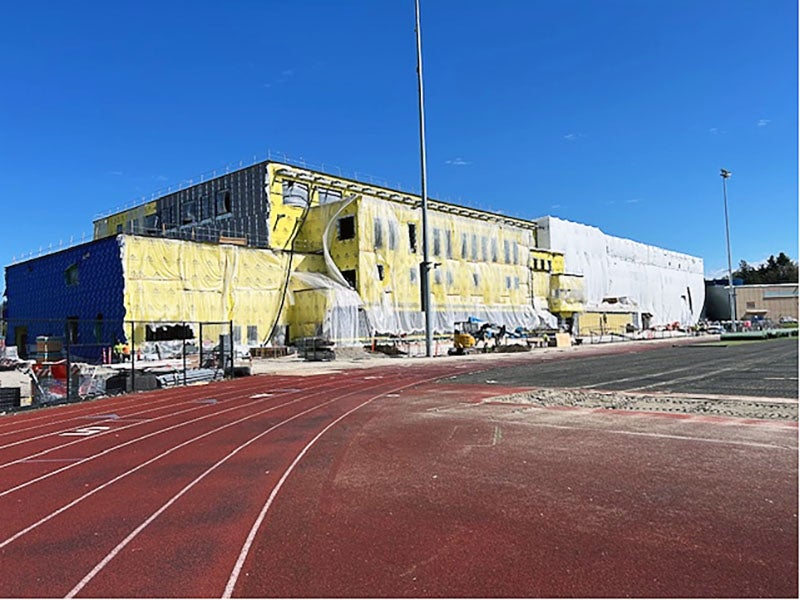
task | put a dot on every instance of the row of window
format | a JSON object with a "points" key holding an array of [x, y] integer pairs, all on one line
{"points": [[472, 246], [511, 282]]}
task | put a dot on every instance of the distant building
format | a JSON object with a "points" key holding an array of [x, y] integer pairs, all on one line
{"points": [[770, 301], [285, 253]]}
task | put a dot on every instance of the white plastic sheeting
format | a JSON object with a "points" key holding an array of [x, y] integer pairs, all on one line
{"points": [[620, 274], [342, 322]]}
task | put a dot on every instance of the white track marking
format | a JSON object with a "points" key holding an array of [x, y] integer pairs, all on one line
{"points": [[80, 499], [86, 431], [119, 547], [237, 568], [117, 447]]}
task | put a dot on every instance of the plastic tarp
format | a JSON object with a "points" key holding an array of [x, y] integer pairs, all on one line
{"points": [[481, 269], [342, 321], [624, 275], [177, 281]]}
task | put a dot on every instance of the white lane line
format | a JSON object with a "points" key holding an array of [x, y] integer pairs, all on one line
{"points": [[237, 568], [634, 377], [119, 547], [117, 447], [92, 492]]}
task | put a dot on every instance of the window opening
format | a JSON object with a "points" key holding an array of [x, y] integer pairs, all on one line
{"points": [[71, 275], [437, 244], [350, 277], [392, 235], [448, 243], [327, 196], [494, 250], [464, 245], [412, 237], [380, 272], [474, 247], [484, 248], [223, 202], [378, 233], [347, 228], [294, 193]]}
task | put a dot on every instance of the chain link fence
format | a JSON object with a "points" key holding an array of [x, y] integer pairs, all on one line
{"points": [[76, 359]]}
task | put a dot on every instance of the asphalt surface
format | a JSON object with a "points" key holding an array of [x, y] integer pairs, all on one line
{"points": [[760, 368]]}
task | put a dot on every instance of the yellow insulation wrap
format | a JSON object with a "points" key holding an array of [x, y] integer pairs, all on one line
{"points": [[176, 281]]}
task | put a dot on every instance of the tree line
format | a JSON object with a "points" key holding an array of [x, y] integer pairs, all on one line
{"points": [[780, 269]]}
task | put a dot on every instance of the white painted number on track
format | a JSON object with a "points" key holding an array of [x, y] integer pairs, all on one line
{"points": [[85, 431]]}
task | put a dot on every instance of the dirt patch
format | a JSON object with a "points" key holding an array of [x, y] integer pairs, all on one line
{"points": [[723, 407]]}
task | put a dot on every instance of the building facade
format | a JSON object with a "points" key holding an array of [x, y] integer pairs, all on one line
{"points": [[286, 252]]}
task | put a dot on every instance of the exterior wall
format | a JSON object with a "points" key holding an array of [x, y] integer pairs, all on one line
{"points": [[667, 285], [603, 323], [39, 290], [233, 205], [772, 301]]}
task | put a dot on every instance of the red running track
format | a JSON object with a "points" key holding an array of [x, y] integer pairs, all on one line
{"points": [[382, 483]]}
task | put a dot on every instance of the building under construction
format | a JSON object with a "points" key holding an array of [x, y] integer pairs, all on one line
{"points": [[285, 253]]}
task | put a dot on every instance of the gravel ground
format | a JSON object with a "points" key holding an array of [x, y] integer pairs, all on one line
{"points": [[723, 407]]}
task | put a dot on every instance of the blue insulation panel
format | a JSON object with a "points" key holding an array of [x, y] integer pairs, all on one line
{"points": [[83, 282]]}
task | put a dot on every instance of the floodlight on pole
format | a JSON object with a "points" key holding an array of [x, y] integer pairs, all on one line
{"points": [[426, 264], [725, 174]]}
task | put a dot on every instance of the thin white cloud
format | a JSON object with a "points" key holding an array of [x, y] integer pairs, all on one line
{"points": [[162, 178], [763, 122], [713, 131], [633, 201], [117, 173], [571, 137], [266, 85], [287, 72], [555, 206], [457, 162]]}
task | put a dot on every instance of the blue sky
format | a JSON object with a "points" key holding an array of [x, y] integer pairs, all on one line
{"points": [[615, 113]]}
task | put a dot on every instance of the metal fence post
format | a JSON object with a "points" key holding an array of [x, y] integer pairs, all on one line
{"points": [[133, 356], [183, 336], [200, 346], [66, 350], [230, 323]]}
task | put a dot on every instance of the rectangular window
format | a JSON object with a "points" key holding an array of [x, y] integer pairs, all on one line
{"points": [[484, 248], [223, 202], [188, 211], [508, 282], [327, 196], [294, 193], [516, 253], [476, 279], [377, 232], [751, 305], [506, 251], [392, 234], [252, 334], [450, 278], [547, 265], [71, 275], [151, 224], [380, 272], [437, 276], [448, 243], [346, 228], [412, 237], [516, 283], [474, 247], [413, 274], [494, 250], [464, 249], [437, 243], [237, 334], [119, 227], [350, 277]]}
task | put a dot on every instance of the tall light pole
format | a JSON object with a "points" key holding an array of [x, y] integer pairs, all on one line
{"points": [[426, 264], [731, 292]]}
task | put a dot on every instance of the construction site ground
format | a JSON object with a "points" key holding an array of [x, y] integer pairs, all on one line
{"points": [[534, 475]]}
